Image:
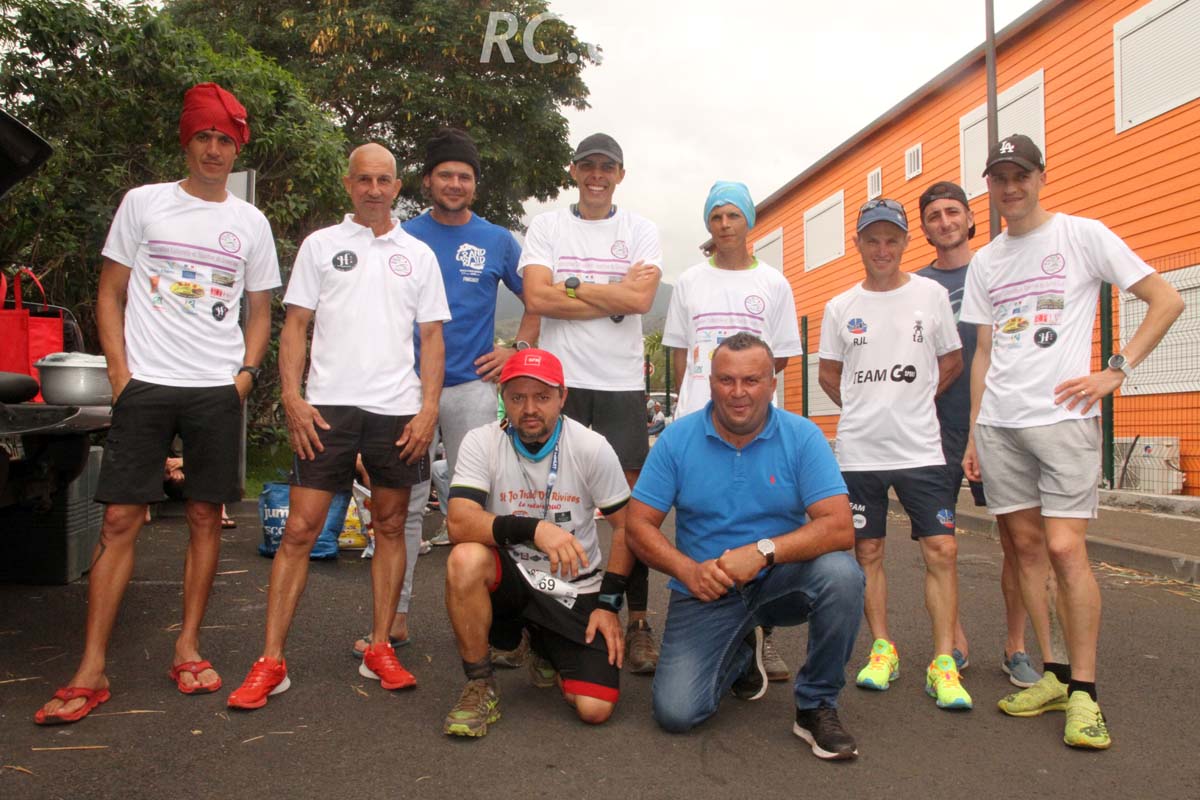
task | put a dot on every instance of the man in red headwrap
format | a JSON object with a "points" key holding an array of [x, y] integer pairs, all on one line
{"points": [[178, 258]]}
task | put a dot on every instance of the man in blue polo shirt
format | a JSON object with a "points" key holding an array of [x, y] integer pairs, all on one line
{"points": [[475, 257], [763, 530]]}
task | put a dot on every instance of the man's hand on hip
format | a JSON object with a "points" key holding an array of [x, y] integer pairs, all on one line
{"points": [[488, 365], [609, 625], [303, 420], [567, 556]]}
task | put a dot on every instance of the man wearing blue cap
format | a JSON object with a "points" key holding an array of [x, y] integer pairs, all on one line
{"points": [[889, 345], [729, 292]]}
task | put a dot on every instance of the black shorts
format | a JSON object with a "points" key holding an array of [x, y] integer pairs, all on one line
{"points": [[146, 418], [556, 632], [922, 492], [620, 417], [353, 431], [954, 444]]}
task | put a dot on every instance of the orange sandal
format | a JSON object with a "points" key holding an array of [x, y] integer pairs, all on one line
{"points": [[195, 668], [94, 698]]}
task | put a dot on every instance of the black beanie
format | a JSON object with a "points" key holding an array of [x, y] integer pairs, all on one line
{"points": [[451, 144]]}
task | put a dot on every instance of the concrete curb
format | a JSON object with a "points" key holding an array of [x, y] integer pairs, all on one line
{"points": [[1169, 564]]}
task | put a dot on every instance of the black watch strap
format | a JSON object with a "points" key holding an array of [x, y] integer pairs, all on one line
{"points": [[254, 372]]}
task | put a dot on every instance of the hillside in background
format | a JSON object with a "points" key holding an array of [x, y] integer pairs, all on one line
{"points": [[508, 312]]}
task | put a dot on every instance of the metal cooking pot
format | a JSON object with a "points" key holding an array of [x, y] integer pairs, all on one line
{"points": [[74, 379]]}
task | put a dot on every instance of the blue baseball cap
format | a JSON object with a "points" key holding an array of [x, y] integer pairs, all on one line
{"points": [[882, 210]]}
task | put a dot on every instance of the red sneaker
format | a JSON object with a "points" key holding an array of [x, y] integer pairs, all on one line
{"points": [[380, 663], [267, 677]]}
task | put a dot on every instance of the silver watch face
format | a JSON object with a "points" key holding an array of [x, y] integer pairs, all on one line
{"points": [[766, 547]]}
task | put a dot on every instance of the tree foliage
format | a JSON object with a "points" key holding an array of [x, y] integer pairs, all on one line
{"points": [[394, 70], [104, 82]]}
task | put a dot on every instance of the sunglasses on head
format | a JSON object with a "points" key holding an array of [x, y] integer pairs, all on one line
{"points": [[884, 202]]}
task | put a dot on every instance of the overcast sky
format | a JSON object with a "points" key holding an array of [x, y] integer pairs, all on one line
{"points": [[703, 90]]}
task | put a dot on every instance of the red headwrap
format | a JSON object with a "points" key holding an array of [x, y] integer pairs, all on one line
{"points": [[207, 106]]}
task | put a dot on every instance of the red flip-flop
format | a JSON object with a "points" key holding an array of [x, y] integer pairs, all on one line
{"points": [[94, 698], [195, 668]]}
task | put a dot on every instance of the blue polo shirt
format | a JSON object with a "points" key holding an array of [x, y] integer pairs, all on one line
{"points": [[474, 259], [725, 497]]}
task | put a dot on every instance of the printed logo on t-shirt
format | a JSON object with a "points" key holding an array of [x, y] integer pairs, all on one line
{"points": [[187, 289], [344, 261], [918, 332], [856, 326], [1045, 337], [946, 517], [229, 242], [219, 310], [189, 306], [755, 304], [562, 516], [1014, 325], [619, 249], [470, 256], [217, 291], [400, 265], [222, 278], [1053, 264], [906, 373]]}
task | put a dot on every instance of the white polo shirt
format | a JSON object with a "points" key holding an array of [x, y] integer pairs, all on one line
{"points": [[367, 292]]}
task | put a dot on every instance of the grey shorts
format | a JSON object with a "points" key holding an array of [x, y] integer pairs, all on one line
{"points": [[1056, 467]]}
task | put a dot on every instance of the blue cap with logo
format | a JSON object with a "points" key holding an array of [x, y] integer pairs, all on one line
{"points": [[882, 210]]}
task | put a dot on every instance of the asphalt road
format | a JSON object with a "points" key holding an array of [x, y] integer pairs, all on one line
{"points": [[335, 734]]}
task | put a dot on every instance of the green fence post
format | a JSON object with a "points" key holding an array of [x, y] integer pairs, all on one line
{"points": [[1106, 405]]}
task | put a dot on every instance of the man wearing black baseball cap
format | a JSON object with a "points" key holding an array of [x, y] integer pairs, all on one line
{"points": [[1035, 405], [948, 224], [591, 271]]}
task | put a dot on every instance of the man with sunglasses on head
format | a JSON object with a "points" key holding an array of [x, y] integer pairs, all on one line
{"points": [[590, 272], [889, 345], [949, 225], [1035, 404]]}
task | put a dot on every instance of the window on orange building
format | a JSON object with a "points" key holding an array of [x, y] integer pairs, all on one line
{"points": [[1156, 60]]}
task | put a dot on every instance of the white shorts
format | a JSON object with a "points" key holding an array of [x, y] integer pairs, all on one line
{"points": [[1056, 467]]}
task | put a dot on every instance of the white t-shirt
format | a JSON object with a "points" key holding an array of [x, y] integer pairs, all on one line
{"points": [[589, 477], [710, 304], [889, 344], [191, 259], [595, 353], [368, 291], [1039, 294]]}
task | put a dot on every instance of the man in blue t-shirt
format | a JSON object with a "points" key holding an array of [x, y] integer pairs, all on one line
{"points": [[762, 537], [948, 225], [475, 256]]}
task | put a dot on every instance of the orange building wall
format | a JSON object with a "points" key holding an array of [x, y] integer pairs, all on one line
{"points": [[1144, 183]]}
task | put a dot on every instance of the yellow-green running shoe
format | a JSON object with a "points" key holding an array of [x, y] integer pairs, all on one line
{"points": [[541, 671], [478, 706], [1048, 694], [1085, 724], [943, 683], [882, 669]]}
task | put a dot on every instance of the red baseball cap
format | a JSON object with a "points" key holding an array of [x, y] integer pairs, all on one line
{"points": [[541, 365]]}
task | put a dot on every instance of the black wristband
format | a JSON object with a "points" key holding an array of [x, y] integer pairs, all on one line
{"points": [[612, 583], [508, 529]]}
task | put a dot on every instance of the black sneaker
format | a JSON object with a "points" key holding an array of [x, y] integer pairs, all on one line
{"points": [[753, 684], [823, 731]]}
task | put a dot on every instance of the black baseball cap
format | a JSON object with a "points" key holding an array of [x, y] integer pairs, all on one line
{"points": [[1018, 149], [599, 144], [946, 190]]}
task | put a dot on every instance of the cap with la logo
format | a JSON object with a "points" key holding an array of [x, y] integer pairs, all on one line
{"points": [[1018, 149]]}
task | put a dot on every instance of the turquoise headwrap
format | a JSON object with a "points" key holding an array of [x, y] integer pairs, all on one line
{"points": [[725, 193]]}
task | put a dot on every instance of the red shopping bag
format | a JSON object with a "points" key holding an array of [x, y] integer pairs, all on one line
{"points": [[27, 333]]}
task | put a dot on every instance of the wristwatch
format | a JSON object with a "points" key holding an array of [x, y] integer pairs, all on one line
{"points": [[522, 345], [1118, 361], [572, 283], [254, 373], [766, 548]]}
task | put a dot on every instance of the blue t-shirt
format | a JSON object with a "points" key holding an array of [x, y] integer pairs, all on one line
{"points": [[954, 404], [725, 497], [474, 258]]}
